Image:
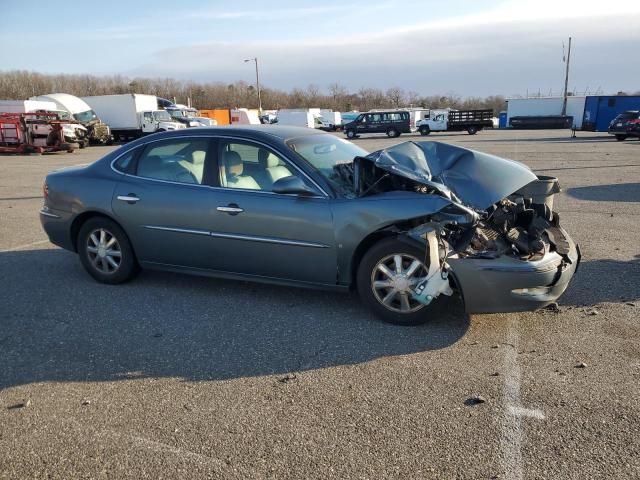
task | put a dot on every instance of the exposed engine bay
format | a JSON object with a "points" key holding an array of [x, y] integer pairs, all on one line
{"points": [[480, 221]]}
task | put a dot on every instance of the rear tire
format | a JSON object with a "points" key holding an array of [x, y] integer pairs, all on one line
{"points": [[350, 133], [472, 130], [621, 138], [393, 133], [368, 273], [95, 245]]}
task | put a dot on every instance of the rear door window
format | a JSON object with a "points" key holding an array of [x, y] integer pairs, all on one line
{"points": [[178, 160]]}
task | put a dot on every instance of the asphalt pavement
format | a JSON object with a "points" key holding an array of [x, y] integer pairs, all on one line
{"points": [[172, 376]]}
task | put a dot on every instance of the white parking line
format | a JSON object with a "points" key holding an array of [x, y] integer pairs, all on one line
{"points": [[511, 438], [511, 424], [26, 245]]}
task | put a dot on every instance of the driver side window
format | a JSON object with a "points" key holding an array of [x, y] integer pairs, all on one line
{"points": [[250, 166]]}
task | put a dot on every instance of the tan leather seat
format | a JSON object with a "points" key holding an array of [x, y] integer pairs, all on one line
{"points": [[196, 165], [276, 169], [231, 173]]}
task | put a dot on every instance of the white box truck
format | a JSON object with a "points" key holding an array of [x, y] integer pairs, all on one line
{"points": [[79, 111], [132, 115], [309, 118]]}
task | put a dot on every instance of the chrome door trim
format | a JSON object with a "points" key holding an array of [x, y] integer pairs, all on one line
{"points": [[233, 236], [255, 238], [178, 230]]}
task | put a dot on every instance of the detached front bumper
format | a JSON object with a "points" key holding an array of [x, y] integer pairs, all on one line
{"points": [[507, 284]]}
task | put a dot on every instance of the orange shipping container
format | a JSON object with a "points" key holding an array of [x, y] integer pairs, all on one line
{"points": [[220, 115]]}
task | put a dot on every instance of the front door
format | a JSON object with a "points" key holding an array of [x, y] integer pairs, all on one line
{"points": [[257, 232], [163, 203]]}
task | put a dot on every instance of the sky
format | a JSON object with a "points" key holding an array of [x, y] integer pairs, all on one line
{"points": [[466, 47]]}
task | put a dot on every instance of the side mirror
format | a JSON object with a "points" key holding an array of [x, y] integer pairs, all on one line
{"points": [[292, 185]]}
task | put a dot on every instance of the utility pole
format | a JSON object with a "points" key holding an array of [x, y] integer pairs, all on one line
{"points": [[255, 59], [566, 81]]}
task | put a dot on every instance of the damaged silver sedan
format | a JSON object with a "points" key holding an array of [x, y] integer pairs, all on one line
{"points": [[294, 206]]}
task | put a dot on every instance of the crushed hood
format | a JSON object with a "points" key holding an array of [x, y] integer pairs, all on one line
{"points": [[477, 179]]}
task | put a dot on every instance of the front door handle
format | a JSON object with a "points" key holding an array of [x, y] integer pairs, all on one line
{"points": [[131, 198], [231, 209]]}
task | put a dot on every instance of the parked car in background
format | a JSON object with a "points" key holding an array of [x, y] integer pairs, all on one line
{"points": [[626, 125], [391, 122], [295, 206]]}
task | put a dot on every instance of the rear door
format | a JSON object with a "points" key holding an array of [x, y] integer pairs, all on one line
{"points": [[163, 203], [257, 232]]}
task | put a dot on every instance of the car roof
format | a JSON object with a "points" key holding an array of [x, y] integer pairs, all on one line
{"points": [[282, 132]]}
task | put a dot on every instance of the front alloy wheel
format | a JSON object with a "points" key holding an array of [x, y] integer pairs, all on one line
{"points": [[387, 275], [394, 278]]}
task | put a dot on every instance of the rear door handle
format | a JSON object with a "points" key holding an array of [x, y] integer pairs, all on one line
{"points": [[231, 209], [131, 198]]}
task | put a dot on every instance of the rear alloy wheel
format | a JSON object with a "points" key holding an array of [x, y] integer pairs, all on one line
{"points": [[351, 133], [387, 275], [392, 133], [105, 251], [621, 138]]}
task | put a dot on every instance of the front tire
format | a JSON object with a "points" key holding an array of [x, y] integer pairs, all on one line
{"points": [[386, 275], [351, 134], [105, 251], [425, 130]]}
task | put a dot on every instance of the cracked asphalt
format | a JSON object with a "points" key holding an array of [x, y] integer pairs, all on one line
{"points": [[173, 376]]}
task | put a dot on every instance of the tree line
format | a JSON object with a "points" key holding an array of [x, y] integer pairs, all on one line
{"points": [[20, 85]]}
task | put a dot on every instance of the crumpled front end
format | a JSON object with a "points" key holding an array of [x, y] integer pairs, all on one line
{"points": [[499, 241]]}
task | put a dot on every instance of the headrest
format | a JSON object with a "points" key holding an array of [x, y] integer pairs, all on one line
{"points": [[198, 156], [232, 162], [272, 161]]}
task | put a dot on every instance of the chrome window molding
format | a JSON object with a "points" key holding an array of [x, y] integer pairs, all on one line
{"points": [[210, 137], [232, 236]]}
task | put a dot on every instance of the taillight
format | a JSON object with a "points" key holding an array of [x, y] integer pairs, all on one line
{"points": [[45, 190], [635, 121]]}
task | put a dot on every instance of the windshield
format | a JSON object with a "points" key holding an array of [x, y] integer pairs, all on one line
{"points": [[85, 117], [161, 116], [325, 153]]}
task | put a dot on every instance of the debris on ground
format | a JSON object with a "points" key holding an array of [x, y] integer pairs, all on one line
{"points": [[553, 307], [23, 404], [288, 377], [581, 365], [494, 374], [593, 312], [86, 402], [631, 304], [475, 400]]}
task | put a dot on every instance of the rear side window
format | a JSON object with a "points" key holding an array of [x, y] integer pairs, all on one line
{"points": [[180, 160], [126, 163]]}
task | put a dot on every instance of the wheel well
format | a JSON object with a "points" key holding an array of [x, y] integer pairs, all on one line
{"points": [[362, 248], [81, 220]]}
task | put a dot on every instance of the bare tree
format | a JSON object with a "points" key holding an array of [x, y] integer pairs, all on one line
{"points": [[396, 95]]}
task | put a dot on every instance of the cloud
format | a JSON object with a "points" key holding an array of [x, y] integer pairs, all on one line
{"points": [[472, 57]]}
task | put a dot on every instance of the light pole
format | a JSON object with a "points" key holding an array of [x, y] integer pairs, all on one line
{"points": [[255, 59]]}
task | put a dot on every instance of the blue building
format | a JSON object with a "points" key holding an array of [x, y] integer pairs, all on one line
{"points": [[600, 110]]}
